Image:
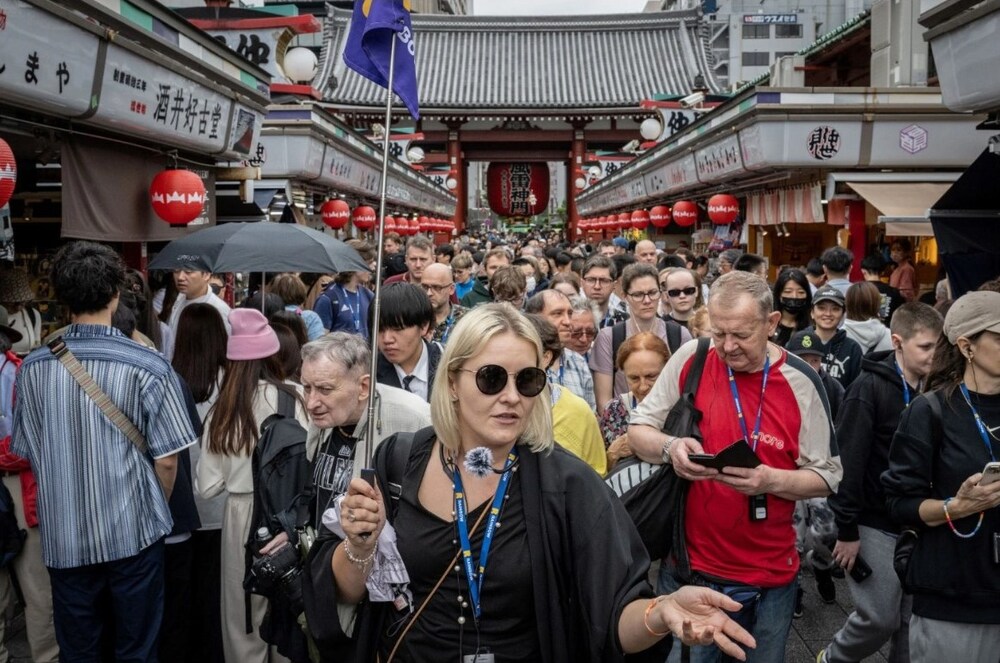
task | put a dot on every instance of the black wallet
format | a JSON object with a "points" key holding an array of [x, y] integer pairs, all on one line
{"points": [[737, 454]]}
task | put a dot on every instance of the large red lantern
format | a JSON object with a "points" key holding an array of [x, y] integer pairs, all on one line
{"points": [[624, 221], [335, 213], [177, 196], [8, 172], [640, 219], [414, 226], [685, 213], [363, 218], [723, 209], [511, 188], [389, 223], [423, 224], [659, 216]]}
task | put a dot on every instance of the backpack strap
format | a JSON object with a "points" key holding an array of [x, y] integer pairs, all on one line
{"points": [[392, 466], [618, 334], [697, 368], [286, 404], [673, 335]]}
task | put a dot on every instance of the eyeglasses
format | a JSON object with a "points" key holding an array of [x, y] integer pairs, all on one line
{"points": [[491, 379], [651, 295], [677, 292], [594, 280], [584, 333], [216, 288], [436, 288]]}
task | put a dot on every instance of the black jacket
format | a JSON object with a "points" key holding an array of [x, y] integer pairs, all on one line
{"points": [[841, 358], [865, 426], [588, 564], [953, 579], [386, 372], [480, 294]]}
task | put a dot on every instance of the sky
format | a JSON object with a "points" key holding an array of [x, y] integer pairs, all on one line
{"points": [[544, 7]]}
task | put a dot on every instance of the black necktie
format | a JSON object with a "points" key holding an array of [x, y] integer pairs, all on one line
{"points": [[407, 380]]}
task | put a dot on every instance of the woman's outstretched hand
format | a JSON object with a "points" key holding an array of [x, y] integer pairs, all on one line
{"points": [[697, 616]]}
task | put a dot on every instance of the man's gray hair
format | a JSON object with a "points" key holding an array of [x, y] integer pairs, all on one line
{"points": [[728, 288], [349, 350], [419, 242], [581, 303]]}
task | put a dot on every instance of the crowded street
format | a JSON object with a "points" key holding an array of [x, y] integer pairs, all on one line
{"points": [[495, 331]]}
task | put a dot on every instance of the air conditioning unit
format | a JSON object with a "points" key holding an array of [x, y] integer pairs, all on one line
{"points": [[788, 71], [899, 52]]}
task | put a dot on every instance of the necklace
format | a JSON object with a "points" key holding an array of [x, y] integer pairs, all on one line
{"points": [[349, 435]]}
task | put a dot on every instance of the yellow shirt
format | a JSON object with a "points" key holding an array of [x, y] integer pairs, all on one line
{"points": [[574, 427]]}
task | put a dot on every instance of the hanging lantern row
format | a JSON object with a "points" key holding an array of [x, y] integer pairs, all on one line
{"points": [[722, 209], [337, 213]]}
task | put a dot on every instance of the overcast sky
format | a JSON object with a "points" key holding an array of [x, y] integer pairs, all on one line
{"points": [[543, 7]]}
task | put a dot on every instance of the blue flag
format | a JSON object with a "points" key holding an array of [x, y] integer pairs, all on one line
{"points": [[373, 27]]}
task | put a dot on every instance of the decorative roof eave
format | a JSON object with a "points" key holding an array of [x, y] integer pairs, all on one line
{"points": [[771, 130], [462, 114], [581, 22]]}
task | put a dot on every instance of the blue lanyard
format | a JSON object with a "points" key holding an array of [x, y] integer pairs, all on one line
{"points": [[355, 313], [473, 575], [979, 422], [447, 326], [906, 387], [562, 372], [739, 406]]}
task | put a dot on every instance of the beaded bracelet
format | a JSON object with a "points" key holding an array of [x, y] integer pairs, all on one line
{"points": [[645, 620], [357, 561], [947, 517]]}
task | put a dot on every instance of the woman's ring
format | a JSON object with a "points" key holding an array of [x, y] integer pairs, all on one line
{"points": [[350, 515]]}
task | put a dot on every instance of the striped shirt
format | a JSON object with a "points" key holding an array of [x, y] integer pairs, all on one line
{"points": [[99, 499]]}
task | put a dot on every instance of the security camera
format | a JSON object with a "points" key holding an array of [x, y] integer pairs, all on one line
{"points": [[631, 146], [692, 100]]}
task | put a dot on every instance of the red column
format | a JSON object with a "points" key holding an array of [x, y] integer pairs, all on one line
{"points": [[577, 151], [858, 242], [456, 165]]}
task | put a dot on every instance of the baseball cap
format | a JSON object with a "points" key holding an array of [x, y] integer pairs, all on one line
{"points": [[805, 343], [972, 313], [827, 293], [620, 242]]}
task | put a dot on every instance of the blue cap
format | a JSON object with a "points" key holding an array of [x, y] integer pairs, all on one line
{"points": [[620, 241]]}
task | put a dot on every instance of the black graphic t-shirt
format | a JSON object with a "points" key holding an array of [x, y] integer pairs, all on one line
{"points": [[332, 471]]}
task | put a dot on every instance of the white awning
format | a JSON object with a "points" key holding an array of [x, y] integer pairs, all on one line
{"points": [[903, 205]]}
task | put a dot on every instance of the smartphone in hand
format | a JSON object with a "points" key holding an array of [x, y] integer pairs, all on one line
{"points": [[860, 571], [991, 473]]}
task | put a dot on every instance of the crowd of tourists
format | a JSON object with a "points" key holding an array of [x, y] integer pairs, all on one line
{"points": [[185, 470]]}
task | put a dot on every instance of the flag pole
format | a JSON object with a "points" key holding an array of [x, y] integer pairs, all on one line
{"points": [[374, 329]]}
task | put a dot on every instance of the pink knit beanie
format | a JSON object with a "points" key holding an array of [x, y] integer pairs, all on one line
{"points": [[251, 336]]}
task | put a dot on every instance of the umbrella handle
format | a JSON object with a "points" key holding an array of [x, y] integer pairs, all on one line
{"points": [[368, 474]]}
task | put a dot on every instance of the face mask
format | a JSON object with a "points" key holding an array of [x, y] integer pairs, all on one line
{"points": [[531, 285], [793, 305]]}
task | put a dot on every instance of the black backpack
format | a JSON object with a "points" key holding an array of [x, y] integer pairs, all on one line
{"points": [[11, 535]]}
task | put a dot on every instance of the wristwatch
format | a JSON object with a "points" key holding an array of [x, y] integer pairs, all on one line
{"points": [[665, 451]]}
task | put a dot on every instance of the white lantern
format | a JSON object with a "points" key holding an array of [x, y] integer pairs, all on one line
{"points": [[451, 183], [650, 128], [300, 65], [580, 183], [415, 154]]}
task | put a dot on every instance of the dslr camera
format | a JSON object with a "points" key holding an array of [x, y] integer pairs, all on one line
{"points": [[278, 576]]}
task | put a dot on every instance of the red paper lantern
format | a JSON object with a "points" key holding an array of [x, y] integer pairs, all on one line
{"points": [[177, 196], [624, 221], [423, 224], [723, 209], [8, 172], [659, 216], [336, 213], [389, 223], [640, 219], [685, 213], [510, 188], [414, 226], [363, 218]]}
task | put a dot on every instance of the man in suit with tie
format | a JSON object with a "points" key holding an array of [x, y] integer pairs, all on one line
{"points": [[405, 358]]}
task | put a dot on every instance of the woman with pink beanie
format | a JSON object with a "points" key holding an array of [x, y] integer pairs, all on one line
{"points": [[251, 388]]}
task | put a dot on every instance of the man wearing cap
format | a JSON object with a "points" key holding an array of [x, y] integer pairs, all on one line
{"points": [[193, 287], [621, 246], [102, 497], [738, 523], [841, 355], [875, 402]]}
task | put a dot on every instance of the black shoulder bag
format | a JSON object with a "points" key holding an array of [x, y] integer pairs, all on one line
{"points": [[653, 494]]}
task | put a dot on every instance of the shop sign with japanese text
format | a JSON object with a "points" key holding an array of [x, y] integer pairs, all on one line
{"points": [[45, 62]]}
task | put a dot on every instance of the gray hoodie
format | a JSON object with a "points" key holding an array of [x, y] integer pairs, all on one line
{"points": [[871, 334]]}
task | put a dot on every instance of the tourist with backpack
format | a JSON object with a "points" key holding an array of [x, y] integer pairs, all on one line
{"points": [[22, 577], [642, 290], [250, 393]]}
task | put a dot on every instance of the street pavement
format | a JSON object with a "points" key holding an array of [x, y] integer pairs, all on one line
{"points": [[809, 633]]}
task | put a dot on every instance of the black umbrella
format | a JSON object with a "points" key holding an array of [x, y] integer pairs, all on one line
{"points": [[260, 247]]}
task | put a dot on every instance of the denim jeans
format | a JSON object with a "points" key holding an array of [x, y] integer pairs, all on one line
{"points": [[767, 615]]}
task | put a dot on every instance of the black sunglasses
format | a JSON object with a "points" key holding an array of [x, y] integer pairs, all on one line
{"points": [[677, 292], [491, 380]]}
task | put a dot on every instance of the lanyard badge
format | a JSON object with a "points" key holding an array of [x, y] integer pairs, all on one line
{"points": [[757, 503]]}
